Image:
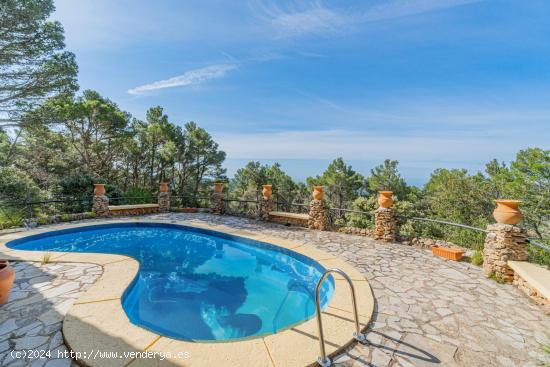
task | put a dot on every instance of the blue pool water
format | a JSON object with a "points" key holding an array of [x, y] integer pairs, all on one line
{"points": [[200, 285]]}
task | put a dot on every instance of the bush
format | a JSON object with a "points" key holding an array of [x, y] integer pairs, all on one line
{"points": [[138, 195], [10, 218], [477, 258], [539, 256], [42, 218], [497, 278], [77, 184], [46, 258], [364, 204], [16, 186]]}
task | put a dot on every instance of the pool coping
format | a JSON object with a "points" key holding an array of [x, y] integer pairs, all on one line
{"points": [[96, 322]]}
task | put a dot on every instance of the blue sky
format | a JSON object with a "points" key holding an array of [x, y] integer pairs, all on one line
{"points": [[431, 83]]}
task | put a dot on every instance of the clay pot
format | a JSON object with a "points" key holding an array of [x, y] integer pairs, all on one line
{"points": [[218, 187], [318, 192], [385, 199], [7, 276], [163, 187], [267, 191], [99, 189], [507, 211]]}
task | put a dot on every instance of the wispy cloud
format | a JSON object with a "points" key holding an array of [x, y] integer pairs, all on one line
{"points": [[301, 17], [401, 8], [317, 17], [190, 77]]}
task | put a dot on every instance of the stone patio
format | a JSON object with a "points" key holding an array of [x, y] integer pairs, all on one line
{"points": [[429, 311], [40, 296]]}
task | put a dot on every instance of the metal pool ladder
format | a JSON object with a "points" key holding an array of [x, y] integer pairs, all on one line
{"points": [[323, 360]]}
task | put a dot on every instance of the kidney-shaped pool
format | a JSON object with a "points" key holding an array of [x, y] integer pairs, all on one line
{"points": [[200, 285]]}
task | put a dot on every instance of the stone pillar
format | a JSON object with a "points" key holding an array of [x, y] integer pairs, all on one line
{"points": [[385, 227], [266, 203], [317, 212], [100, 204], [503, 242], [164, 198], [217, 205]]}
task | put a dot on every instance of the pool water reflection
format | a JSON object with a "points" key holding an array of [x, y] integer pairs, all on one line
{"points": [[200, 285]]}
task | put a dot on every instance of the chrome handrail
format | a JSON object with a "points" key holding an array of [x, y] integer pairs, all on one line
{"points": [[323, 360]]}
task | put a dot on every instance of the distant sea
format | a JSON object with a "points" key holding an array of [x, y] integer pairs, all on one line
{"points": [[415, 172]]}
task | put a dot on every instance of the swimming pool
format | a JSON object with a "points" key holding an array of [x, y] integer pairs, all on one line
{"points": [[200, 285]]}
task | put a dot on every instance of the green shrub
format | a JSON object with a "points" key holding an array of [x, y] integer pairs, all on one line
{"points": [[497, 278], [46, 258], [477, 257], [91, 215], [364, 204], [10, 218], [42, 218], [141, 195], [16, 186], [113, 192], [538, 255], [77, 184], [65, 217]]}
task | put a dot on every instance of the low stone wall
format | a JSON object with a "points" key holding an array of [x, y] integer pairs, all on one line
{"points": [[133, 211], [286, 220], [426, 243], [188, 210], [531, 292], [367, 232], [59, 218], [420, 242]]}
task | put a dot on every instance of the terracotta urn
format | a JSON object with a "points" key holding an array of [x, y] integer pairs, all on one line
{"points": [[163, 187], [318, 192], [99, 189], [507, 211], [7, 276], [267, 191], [218, 187], [385, 199]]}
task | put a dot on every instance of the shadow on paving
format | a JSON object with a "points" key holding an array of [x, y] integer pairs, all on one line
{"points": [[31, 321], [42, 295], [397, 347]]}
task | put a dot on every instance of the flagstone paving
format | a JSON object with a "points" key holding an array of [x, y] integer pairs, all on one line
{"points": [[428, 311], [31, 320]]}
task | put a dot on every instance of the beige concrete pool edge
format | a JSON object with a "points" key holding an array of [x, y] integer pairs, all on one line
{"points": [[97, 322]]}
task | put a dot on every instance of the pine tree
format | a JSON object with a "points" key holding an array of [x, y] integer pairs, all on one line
{"points": [[33, 64]]}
